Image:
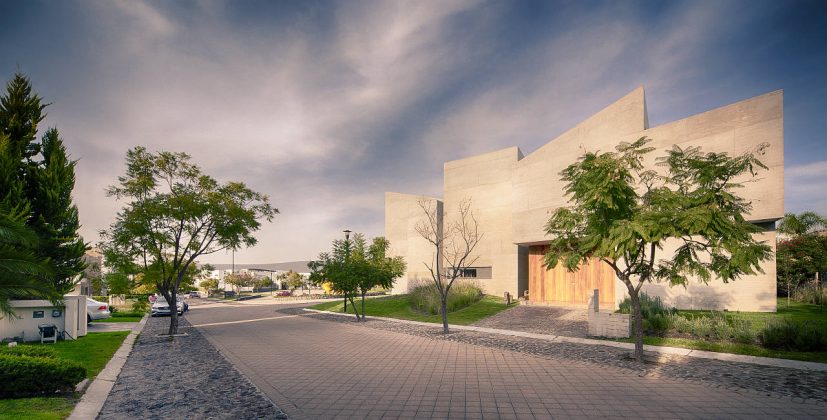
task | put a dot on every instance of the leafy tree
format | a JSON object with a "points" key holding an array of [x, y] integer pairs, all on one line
{"points": [[623, 215], [377, 269], [335, 268], [802, 224], [210, 285], [175, 213], [20, 269], [453, 243], [239, 280], [41, 188], [118, 283], [294, 280], [263, 282]]}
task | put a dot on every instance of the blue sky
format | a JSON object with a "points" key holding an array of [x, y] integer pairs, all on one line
{"points": [[326, 105]]}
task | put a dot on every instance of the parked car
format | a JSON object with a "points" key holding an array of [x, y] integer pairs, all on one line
{"points": [[195, 295], [161, 307], [283, 293], [96, 310]]}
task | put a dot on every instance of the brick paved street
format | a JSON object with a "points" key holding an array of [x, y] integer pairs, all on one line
{"points": [[320, 369]]}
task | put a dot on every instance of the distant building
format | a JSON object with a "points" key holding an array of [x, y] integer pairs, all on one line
{"points": [[93, 259]]}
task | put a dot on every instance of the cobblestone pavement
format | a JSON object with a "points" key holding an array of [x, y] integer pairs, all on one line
{"points": [[183, 379], [540, 320], [314, 368]]}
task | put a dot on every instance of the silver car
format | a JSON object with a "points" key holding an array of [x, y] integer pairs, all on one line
{"points": [[96, 310], [161, 307]]}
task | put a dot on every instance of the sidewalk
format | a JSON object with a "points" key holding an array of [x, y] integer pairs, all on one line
{"points": [[676, 351]]}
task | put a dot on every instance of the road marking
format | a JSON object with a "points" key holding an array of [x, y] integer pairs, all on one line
{"points": [[246, 320]]}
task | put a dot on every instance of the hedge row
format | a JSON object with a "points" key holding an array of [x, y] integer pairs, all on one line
{"points": [[26, 375]]}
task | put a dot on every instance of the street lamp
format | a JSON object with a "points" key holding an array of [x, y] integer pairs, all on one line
{"points": [[347, 255]]}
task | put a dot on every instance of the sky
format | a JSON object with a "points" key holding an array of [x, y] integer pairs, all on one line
{"points": [[324, 106]]}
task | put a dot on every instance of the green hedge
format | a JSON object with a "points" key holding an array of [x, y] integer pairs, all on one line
{"points": [[31, 351], [25, 375]]}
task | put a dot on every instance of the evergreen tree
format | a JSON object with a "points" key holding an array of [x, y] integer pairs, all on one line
{"points": [[54, 216]]}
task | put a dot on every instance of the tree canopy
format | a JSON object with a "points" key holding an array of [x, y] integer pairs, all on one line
{"points": [[623, 214], [174, 213]]}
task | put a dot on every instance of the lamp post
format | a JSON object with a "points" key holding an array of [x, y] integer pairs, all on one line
{"points": [[347, 255]]}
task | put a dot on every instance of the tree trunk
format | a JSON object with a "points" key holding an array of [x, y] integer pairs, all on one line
{"points": [[345, 302], [638, 325], [355, 309], [173, 314], [363, 305], [444, 311]]}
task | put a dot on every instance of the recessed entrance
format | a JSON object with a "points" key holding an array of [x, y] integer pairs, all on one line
{"points": [[560, 287]]}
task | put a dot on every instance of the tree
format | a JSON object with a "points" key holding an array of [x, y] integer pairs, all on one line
{"points": [[239, 280], [118, 283], [453, 242], [336, 267], [263, 282], [209, 285], [623, 215], [21, 270], [379, 270], [801, 224], [54, 216], [294, 280], [174, 213], [41, 188]]}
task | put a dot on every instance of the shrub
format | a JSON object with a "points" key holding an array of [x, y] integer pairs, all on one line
{"points": [[425, 296], [794, 336], [648, 306], [810, 293], [140, 305], [715, 326], [31, 351], [657, 323], [25, 375]]}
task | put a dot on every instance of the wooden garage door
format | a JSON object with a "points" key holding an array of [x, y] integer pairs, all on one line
{"points": [[558, 286]]}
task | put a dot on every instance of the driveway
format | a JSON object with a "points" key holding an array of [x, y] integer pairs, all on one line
{"points": [[313, 368]]}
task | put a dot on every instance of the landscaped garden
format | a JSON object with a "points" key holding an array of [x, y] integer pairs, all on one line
{"points": [[798, 330], [466, 305], [49, 372]]}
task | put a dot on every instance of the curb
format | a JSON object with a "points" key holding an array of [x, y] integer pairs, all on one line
{"points": [[92, 401], [703, 354]]}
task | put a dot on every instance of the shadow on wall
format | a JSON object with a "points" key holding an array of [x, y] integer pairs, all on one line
{"points": [[692, 297]]}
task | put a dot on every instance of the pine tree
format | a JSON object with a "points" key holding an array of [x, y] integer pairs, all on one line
{"points": [[54, 216]]}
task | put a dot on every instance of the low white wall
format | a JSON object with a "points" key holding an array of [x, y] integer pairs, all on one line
{"points": [[70, 319]]}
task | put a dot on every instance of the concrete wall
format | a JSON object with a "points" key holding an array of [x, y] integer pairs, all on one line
{"points": [[402, 213], [72, 318], [485, 180]]}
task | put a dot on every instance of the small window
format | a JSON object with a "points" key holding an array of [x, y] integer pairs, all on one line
{"points": [[57, 313], [469, 273], [38, 314]]}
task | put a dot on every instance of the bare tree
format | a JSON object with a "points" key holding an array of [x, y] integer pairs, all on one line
{"points": [[454, 241]]}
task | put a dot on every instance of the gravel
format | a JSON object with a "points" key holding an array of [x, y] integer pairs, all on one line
{"points": [[182, 378]]}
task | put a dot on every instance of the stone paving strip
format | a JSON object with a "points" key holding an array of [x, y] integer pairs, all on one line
{"points": [[93, 399], [181, 379], [799, 381]]}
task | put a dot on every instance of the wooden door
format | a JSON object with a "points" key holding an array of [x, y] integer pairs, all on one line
{"points": [[558, 286]]}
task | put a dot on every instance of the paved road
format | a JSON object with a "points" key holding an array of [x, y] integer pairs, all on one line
{"points": [[320, 369]]}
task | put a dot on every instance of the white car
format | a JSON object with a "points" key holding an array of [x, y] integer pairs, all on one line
{"points": [[96, 310], [161, 307]]}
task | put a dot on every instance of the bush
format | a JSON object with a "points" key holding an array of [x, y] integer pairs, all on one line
{"points": [[657, 323], [425, 297], [25, 375], [648, 306], [793, 336], [715, 326], [31, 351], [140, 306], [810, 293]]}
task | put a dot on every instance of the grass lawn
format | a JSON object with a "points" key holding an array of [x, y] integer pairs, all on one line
{"points": [[92, 351], [796, 311], [400, 307]]}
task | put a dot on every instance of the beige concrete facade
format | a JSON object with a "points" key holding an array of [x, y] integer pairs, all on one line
{"points": [[513, 195]]}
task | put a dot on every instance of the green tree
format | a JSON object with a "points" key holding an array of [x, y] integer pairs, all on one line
{"points": [[118, 283], [623, 214], [294, 280], [175, 213], [41, 188], [54, 216], [802, 224], [21, 269], [239, 280], [210, 285], [336, 268], [377, 268]]}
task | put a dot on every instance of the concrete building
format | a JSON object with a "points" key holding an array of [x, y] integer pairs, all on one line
{"points": [[513, 196]]}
